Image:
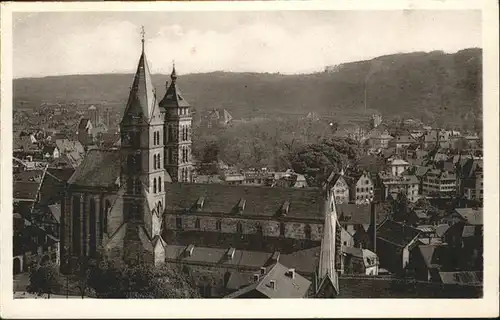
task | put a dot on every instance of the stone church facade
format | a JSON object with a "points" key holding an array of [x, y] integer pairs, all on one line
{"points": [[137, 202]]}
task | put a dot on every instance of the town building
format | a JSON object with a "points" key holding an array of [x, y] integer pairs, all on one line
{"points": [[393, 185], [439, 183], [401, 141], [338, 186], [470, 178], [379, 139], [398, 166], [395, 240], [361, 187], [359, 261]]}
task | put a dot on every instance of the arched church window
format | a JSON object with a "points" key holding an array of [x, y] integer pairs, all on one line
{"points": [[258, 229], [197, 223], [307, 231], [138, 185], [92, 227], [239, 228], [159, 185], [218, 225], [154, 185], [76, 224], [282, 229]]}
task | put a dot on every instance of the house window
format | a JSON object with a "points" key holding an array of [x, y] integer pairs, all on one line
{"points": [[239, 228], [76, 225], [197, 223], [178, 222], [218, 225]]}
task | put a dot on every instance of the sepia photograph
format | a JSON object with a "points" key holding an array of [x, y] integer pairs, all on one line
{"points": [[247, 154]]}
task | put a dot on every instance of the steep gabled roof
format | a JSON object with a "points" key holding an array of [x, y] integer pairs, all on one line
{"points": [[285, 286], [142, 103], [326, 267], [259, 200], [396, 233], [100, 168], [173, 97]]}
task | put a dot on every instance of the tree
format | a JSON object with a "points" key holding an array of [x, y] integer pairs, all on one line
{"points": [[45, 279], [117, 280]]}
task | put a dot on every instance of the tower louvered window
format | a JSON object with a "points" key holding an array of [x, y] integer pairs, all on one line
{"points": [[159, 185]]}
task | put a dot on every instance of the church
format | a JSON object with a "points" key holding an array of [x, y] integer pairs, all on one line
{"points": [[137, 203]]}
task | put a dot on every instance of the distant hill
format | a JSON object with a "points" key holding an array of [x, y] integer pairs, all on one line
{"points": [[421, 85]]}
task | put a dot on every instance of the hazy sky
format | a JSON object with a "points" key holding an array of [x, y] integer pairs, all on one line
{"points": [[280, 41]]}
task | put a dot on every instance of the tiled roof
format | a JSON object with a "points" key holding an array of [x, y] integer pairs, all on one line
{"points": [[350, 213], [421, 171], [396, 233], [236, 281], [441, 229], [29, 176], [470, 215], [25, 190], [55, 209], [467, 278], [284, 285], [259, 200], [431, 255], [100, 168], [241, 258], [62, 174], [399, 162], [389, 287], [468, 231]]}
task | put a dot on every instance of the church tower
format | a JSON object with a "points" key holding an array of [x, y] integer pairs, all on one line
{"points": [[177, 132], [142, 174]]}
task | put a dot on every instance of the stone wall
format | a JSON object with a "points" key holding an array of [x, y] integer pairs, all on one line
{"points": [[225, 224]]}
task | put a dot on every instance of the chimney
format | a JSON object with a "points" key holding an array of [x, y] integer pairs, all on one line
{"points": [[373, 223], [291, 273], [272, 284]]}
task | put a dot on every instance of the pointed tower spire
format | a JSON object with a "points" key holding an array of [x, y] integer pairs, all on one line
{"points": [[142, 103], [173, 76], [143, 33], [327, 276]]}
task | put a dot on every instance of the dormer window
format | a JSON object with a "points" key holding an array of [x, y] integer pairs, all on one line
{"points": [[284, 208], [199, 203], [241, 205]]}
